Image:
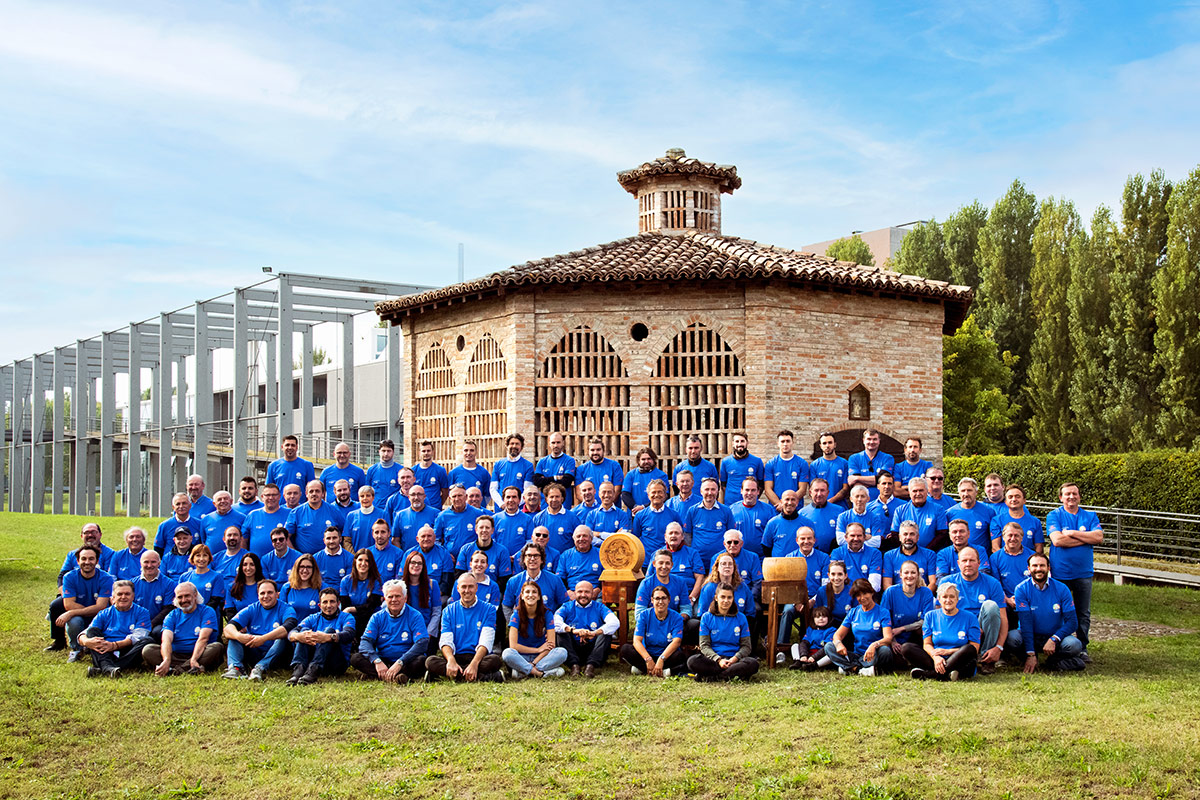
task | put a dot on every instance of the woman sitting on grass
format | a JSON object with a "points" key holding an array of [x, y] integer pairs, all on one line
{"points": [[424, 595], [871, 627], [951, 641], [724, 641], [531, 651], [657, 647], [303, 591]]}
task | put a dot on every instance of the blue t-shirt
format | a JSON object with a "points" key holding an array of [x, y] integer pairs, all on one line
{"points": [[175, 564], [725, 633], [735, 470], [636, 481], [887, 510], [434, 479], [929, 518], [1031, 526], [389, 561], [257, 527], [154, 595], [105, 563], [823, 521], [607, 471], [527, 635], [306, 525], [817, 638], [841, 605], [700, 471], [650, 527], [279, 568], [114, 625], [554, 591], [489, 593], [707, 528], [334, 567], [202, 507], [973, 594], [863, 564], [603, 522], [258, 621], [498, 557], [512, 530], [947, 560], [749, 566], [164, 539], [658, 633], [951, 632], [359, 524], [677, 591], [834, 470], [214, 525], [186, 628], [407, 522], [561, 526], [245, 508], [427, 610], [752, 522], [779, 537], [352, 474], [817, 565], [227, 564], [1010, 570], [1045, 612], [785, 475], [574, 566], [438, 560], [507, 473], [680, 505], [555, 468], [477, 477], [340, 622], [862, 465], [284, 473], [743, 598], [466, 625], [875, 525], [687, 564], [385, 480], [867, 626], [926, 561], [249, 596], [124, 565], [574, 615], [210, 585], [304, 601], [359, 594], [455, 528], [979, 518], [395, 504], [906, 610], [903, 472], [1069, 563]]}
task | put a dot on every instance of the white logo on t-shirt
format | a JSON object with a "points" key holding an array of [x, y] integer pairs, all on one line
{"points": [[962, 634]]}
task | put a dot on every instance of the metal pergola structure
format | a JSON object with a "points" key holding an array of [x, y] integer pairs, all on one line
{"points": [[265, 317]]}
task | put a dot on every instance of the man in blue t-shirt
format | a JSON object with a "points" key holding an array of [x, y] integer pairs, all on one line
{"points": [[737, 466], [290, 469], [512, 470], [116, 636], [182, 515], [983, 596], [468, 636], [343, 470], [978, 516], [307, 523], [1047, 620], [257, 527], [187, 637], [696, 465], [707, 521], [597, 469], [217, 522], [455, 525], [125, 565], [833, 469], [865, 465], [913, 466], [821, 515], [1074, 533], [394, 645], [322, 641], [751, 516], [779, 537], [431, 475], [257, 636], [470, 474], [86, 591], [247, 496], [585, 628], [785, 472], [993, 492], [557, 467], [406, 522], [201, 505], [933, 532], [935, 486], [384, 476], [909, 550], [633, 487]]}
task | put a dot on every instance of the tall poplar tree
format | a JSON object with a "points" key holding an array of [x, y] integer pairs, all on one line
{"points": [[1133, 412], [1089, 303], [960, 232], [923, 252], [1047, 388], [1177, 309]]}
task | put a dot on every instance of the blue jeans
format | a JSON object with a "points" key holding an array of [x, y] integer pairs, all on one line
{"points": [[882, 660], [74, 627], [1081, 593], [989, 625], [1069, 647], [241, 656], [522, 663]]}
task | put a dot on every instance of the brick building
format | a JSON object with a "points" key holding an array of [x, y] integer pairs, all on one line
{"points": [[674, 331]]}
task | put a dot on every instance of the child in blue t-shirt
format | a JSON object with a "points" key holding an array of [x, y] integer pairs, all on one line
{"points": [[812, 647]]}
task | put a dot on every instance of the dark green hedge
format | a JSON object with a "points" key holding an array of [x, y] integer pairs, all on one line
{"points": [[1157, 480]]}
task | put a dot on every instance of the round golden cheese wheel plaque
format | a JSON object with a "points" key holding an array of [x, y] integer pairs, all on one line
{"points": [[622, 556]]}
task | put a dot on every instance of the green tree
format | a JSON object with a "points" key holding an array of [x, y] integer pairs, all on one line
{"points": [[1176, 305], [319, 357], [1136, 376], [1005, 258], [923, 252], [1094, 262], [960, 232], [851, 248], [1050, 358], [975, 380]]}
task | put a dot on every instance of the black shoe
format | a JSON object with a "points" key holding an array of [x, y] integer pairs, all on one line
{"points": [[94, 672], [297, 673], [55, 647], [590, 671], [921, 674], [112, 672], [309, 677]]}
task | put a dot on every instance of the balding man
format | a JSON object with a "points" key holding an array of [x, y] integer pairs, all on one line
{"points": [[582, 562], [187, 644], [983, 596], [396, 639], [557, 467], [932, 530], [154, 591], [608, 518], [779, 537], [875, 526], [455, 525], [585, 629], [468, 635], [201, 505], [256, 530], [307, 523], [344, 470], [181, 515], [215, 523], [126, 564]]}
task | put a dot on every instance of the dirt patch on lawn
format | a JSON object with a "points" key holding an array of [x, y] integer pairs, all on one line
{"points": [[1103, 630]]}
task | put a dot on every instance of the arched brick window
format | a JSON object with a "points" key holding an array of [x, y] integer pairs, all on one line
{"points": [[485, 420], [434, 404], [582, 391], [698, 388]]}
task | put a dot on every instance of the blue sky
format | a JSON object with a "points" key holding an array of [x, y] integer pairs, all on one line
{"points": [[156, 153]]}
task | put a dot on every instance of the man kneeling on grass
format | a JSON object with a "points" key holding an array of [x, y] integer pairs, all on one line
{"points": [[394, 644], [117, 634], [187, 631]]}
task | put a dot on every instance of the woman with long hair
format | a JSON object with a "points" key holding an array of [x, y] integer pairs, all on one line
{"points": [[244, 591], [361, 592], [424, 595], [531, 651], [303, 590], [724, 640]]}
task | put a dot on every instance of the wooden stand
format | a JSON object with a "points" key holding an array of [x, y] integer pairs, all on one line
{"points": [[620, 594], [784, 584]]}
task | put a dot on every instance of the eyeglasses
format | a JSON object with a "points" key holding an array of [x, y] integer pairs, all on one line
{"points": [[936, 478]]}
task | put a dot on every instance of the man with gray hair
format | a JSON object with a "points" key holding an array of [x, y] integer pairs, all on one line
{"points": [[182, 516], [215, 523], [186, 637], [395, 642], [115, 637], [932, 531]]}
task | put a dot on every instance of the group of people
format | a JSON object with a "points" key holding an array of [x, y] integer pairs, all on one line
{"points": [[417, 577]]}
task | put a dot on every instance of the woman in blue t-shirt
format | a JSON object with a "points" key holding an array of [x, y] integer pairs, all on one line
{"points": [[724, 641], [657, 647], [209, 583], [361, 592], [870, 626], [531, 651], [951, 647], [244, 591], [303, 590], [424, 595]]}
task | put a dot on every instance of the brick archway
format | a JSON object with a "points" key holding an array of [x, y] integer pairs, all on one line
{"points": [[849, 441]]}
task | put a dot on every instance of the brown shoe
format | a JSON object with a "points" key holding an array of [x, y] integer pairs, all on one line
{"points": [[575, 671], [987, 667], [589, 671]]}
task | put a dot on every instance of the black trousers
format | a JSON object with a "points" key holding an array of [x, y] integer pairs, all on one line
{"points": [[629, 654], [488, 664], [702, 666], [129, 657], [964, 659], [594, 652], [413, 668]]}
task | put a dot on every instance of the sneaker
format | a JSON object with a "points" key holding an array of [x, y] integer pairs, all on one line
{"points": [[796, 652], [636, 671], [258, 674], [954, 674], [1086, 658], [94, 672], [919, 674], [666, 672], [55, 647], [843, 671], [74, 656], [113, 672], [234, 673], [867, 671], [780, 658], [558, 672], [495, 677], [297, 673]]}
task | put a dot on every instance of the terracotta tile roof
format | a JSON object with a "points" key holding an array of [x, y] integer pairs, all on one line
{"points": [[690, 256], [676, 162]]}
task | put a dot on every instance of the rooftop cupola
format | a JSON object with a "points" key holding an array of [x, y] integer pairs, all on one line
{"points": [[676, 193]]}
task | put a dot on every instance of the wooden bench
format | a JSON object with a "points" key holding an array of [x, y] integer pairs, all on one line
{"points": [[1121, 574]]}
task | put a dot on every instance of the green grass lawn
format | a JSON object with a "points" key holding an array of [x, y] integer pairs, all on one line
{"points": [[1125, 728]]}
